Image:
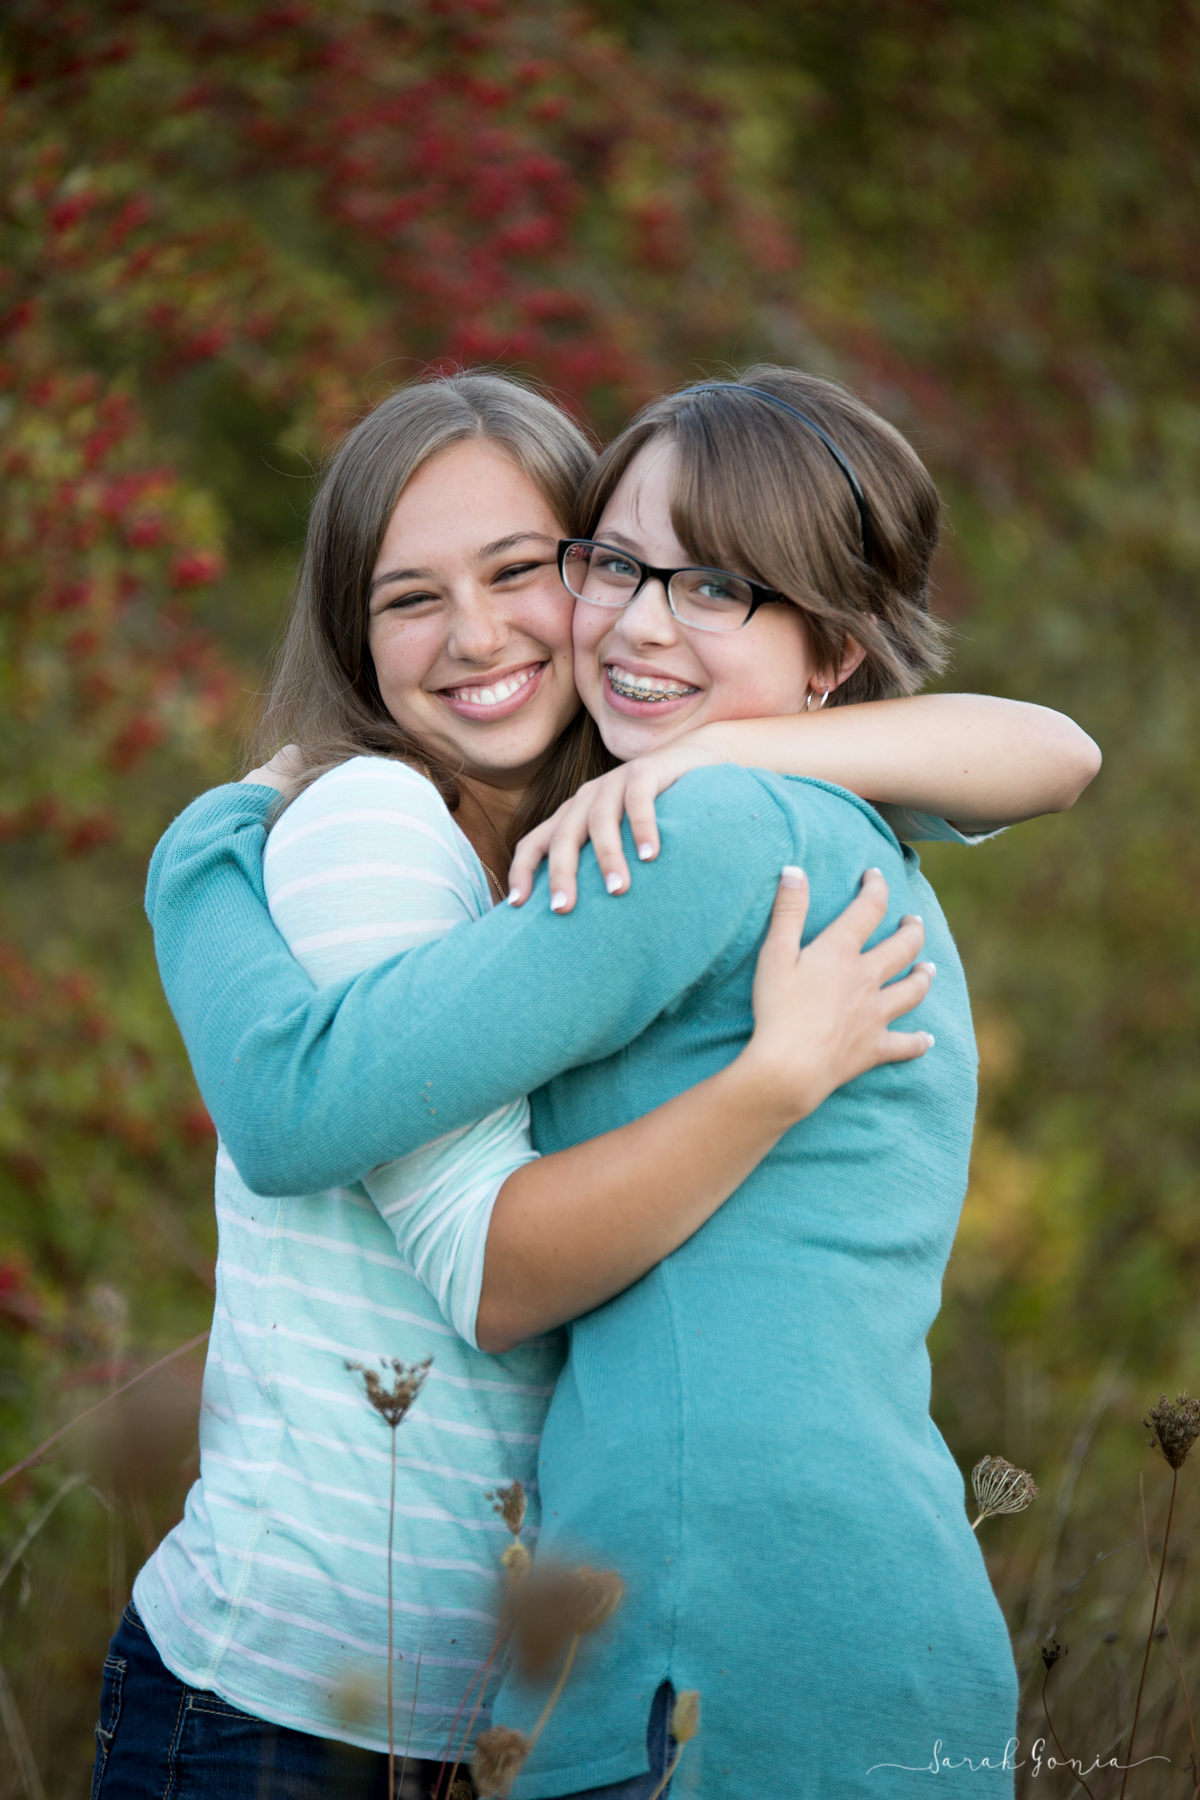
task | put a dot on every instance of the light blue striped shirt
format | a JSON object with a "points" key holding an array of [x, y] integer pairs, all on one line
{"points": [[272, 1589]]}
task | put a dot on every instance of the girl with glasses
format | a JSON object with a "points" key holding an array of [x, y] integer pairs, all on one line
{"points": [[741, 1426]]}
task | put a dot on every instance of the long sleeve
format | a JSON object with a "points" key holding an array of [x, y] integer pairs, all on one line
{"points": [[927, 828], [367, 861], [311, 1088]]}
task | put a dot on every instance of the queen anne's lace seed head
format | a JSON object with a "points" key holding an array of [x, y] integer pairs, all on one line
{"points": [[1000, 1487], [499, 1755], [554, 1605], [1176, 1426], [510, 1503], [685, 1715], [393, 1403]]}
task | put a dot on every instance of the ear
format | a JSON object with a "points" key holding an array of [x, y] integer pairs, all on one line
{"points": [[853, 654]]}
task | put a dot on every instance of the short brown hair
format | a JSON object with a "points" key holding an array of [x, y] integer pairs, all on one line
{"points": [[756, 492], [323, 694]]}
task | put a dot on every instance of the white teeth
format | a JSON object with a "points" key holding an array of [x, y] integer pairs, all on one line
{"points": [[492, 696], [646, 687]]}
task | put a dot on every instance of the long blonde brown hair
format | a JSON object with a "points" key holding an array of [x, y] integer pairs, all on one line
{"points": [[758, 493], [323, 695]]}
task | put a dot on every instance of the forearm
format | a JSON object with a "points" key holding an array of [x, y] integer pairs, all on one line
{"points": [[969, 758], [310, 1088], [570, 1231]]}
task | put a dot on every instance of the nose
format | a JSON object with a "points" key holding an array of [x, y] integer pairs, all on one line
{"points": [[648, 619], [478, 629]]}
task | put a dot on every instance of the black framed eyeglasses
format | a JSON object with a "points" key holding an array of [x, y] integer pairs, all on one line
{"points": [[704, 599]]}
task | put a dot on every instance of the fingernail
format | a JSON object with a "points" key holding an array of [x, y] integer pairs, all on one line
{"points": [[930, 1039], [557, 902], [513, 895], [645, 852], [613, 882], [874, 871], [792, 877], [932, 967]]}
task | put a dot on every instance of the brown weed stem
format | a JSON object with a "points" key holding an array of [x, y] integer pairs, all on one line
{"points": [[556, 1694], [1050, 1724], [482, 1679], [1187, 1699], [391, 1626], [1162, 1568]]}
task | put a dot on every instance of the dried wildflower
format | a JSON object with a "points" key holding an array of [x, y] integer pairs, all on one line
{"points": [[1050, 1654], [510, 1503], [685, 1723], [685, 1715], [499, 1755], [1176, 1426], [556, 1605], [392, 1403], [1000, 1487], [517, 1561]]}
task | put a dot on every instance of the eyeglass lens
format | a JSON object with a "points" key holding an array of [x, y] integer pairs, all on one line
{"points": [[710, 599]]}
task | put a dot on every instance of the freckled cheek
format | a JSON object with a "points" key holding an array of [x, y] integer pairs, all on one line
{"points": [[753, 686], [546, 618], [588, 633], [402, 660]]}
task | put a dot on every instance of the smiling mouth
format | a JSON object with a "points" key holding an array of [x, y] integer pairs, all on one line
{"points": [[650, 688], [498, 692]]}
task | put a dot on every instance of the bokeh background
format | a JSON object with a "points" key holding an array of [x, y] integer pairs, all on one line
{"points": [[227, 226]]}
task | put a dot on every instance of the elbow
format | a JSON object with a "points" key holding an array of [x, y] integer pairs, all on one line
{"points": [[1077, 762], [496, 1336], [500, 1326], [275, 1170]]}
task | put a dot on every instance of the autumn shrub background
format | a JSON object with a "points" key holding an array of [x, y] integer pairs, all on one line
{"points": [[226, 227]]}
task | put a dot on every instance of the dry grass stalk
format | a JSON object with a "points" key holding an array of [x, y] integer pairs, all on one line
{"points": [[1187, 1699], [1175, 1426], [1051, 1654], [48, 1443], [577, 1601], [24, 1765], [1000, 1487], [392, 1404], [35, 1524], [552, 1607], [511, 1503]]}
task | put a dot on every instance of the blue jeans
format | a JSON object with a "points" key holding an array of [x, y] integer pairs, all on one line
{"points": [[160, 1740], [660, 1747]]}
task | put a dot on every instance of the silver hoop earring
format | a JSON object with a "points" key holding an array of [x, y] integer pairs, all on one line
{"points": [[808, 699]]}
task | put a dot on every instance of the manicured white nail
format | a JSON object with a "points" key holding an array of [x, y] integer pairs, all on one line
{"points": [[557, 902], [613, 882], [792, 877], [930, 1040], [873, 871], [932, 967], [645, 852], [514, 894]]}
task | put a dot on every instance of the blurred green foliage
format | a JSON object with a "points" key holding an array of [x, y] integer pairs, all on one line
{"points": [[227, 227]]}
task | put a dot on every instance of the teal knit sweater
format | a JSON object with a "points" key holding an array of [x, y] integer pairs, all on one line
{"points": [[745, 1433]]}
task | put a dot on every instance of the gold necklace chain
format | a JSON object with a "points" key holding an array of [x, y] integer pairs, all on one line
{"points": [[492, 873]]}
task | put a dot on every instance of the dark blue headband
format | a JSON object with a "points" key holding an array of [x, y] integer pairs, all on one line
{"points": [[860, 499]]}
